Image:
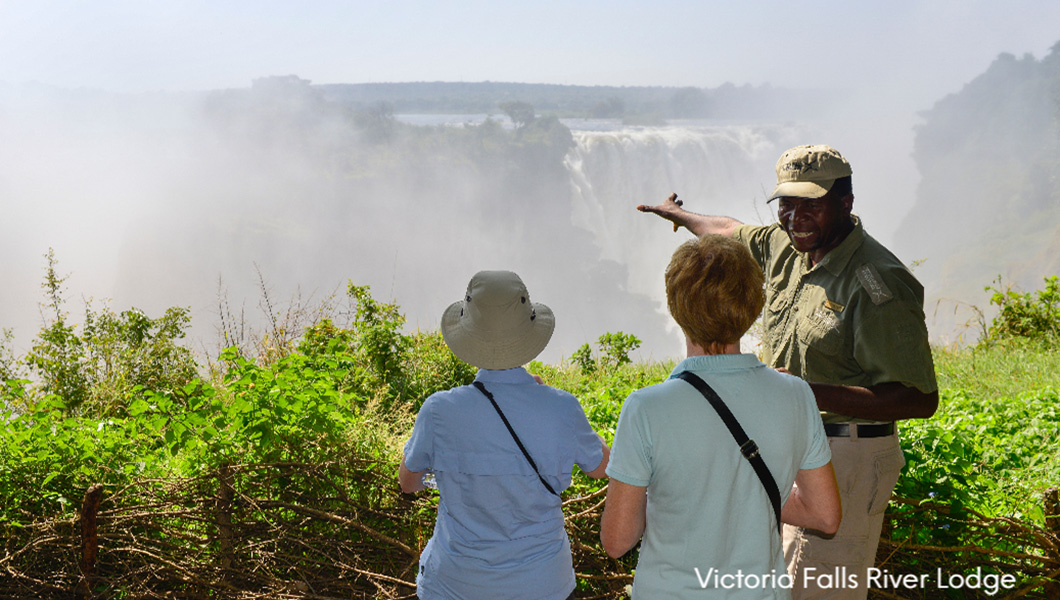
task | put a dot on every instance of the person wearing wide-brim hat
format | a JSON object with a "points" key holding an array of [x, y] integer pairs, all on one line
{"points": [[500, 451]]}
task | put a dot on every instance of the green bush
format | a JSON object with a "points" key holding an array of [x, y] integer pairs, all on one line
{"points": [[346, 391], [1026, 315], [986, 449], [93, 369], [383, 363], [615, 349]]}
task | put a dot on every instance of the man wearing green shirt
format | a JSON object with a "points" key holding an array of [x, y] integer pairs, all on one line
{"points": [[846, 315]]}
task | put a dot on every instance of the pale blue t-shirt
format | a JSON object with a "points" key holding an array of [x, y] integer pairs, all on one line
{"points": [[499, 532], [710, 530]]}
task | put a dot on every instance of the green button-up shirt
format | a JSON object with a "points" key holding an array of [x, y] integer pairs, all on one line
{"points": [[855, 318]]}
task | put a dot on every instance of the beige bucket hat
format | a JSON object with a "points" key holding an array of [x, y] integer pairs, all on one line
{"points": [[809, 172], [496, 326]]}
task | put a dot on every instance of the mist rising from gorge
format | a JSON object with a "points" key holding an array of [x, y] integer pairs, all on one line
{"points": [[152, 201], [159, 200], [988, 199]]}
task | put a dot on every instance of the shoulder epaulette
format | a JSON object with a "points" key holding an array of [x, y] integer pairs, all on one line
{"points": [[872, 282]]}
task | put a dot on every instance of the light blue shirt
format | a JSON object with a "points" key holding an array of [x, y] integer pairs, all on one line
{"points": [[707, 509], [499, 532]]}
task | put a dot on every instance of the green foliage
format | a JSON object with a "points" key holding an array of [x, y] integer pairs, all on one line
{"points": [[998, 371], [9, 363], [603, 390], [433, 367], [296, 409], [983, 449], [58, 357], [95, 369], [384, 363], [130, 349], [351, 390], [380, 341], [583, 359], [57, 353], [342, 390], [615, 348], [1026, 315], [45, 457]]}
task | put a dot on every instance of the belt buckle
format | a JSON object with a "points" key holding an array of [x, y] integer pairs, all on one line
{"points": [[749, 449]]}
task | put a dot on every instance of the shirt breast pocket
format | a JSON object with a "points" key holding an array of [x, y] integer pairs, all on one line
{"points": [[821, 331], [778, 302]]}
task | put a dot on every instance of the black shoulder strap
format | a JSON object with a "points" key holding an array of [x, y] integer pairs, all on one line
{"points": [[483, 389], [747, 446]]}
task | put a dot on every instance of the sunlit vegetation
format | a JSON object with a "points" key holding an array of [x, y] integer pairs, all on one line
{"points": [[272, 469]]}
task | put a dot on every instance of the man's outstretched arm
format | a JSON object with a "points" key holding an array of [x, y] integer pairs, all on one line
{"points": [[672, 211]]}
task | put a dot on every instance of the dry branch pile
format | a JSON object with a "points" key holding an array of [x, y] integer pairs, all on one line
{"points": [[220, 536], [216, 536], [926, 537]]}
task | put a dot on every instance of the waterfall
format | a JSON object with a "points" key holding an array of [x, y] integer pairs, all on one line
{"points": [[715, 169], [155, 211]]}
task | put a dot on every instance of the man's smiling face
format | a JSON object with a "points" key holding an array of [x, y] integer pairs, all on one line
{"points": [[816, 225]]}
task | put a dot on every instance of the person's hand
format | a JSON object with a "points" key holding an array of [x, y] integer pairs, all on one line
{"points": [[783, 370], [670, 209], [538, 379]]}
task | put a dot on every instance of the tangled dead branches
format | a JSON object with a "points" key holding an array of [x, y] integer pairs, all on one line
{"points": [[218, 536], [938, 539], [343, 530]]}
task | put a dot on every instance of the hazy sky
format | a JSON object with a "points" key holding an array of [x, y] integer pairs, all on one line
{"points": [[74, 177], [909, 51]]}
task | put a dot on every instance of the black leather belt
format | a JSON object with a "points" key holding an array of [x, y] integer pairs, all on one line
{"points": [[864, 430]]}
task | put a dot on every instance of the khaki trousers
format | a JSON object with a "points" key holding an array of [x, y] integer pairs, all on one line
{"points": [[836, 567]]}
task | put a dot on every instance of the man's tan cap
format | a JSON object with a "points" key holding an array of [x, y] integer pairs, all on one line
{"points": [[809, 172]]}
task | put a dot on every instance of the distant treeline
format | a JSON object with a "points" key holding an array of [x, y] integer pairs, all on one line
{"points": [[725, 101]]}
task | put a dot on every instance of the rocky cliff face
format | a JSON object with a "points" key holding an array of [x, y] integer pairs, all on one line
{"points": [[988, 203]]}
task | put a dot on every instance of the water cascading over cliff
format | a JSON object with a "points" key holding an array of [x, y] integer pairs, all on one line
{"points": [[239, 195], [715, 169]]}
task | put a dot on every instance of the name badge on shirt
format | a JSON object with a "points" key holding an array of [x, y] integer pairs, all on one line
{"points": [[833, 306]]}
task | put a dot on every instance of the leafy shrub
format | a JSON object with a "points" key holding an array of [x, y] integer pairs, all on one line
{"points": [[583, 359], [95, 369], [349, 391], [615, 348], [9, 363], [1026, 315], [433, 367], [982, 452], [985, 453], [131, 349], [379, 339], [384, 363], [602, 392], [296, 409]]}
